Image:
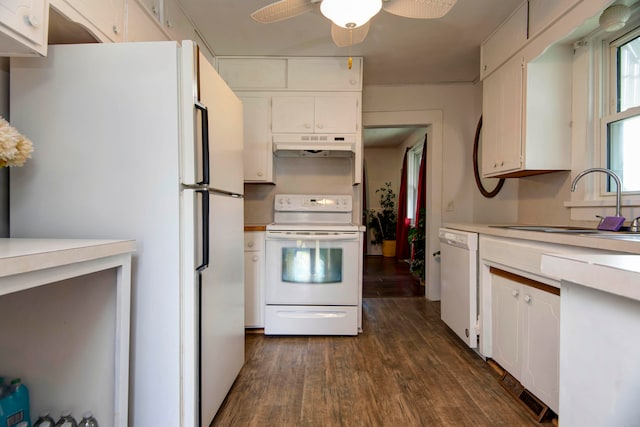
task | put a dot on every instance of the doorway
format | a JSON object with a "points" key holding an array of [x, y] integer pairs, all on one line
{"points": [[432, 121]]}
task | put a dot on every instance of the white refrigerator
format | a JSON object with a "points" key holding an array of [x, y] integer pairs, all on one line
{"points": [[144, 141]]}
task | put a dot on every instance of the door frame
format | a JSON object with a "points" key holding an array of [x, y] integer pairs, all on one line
{"points": [[433, 121]]}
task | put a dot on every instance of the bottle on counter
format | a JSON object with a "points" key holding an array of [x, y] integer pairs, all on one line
{"points": [[88, 420], [44, 420], [66, 420]]}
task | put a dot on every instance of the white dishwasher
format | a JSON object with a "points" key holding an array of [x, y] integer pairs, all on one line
{"points": [[459, 281]]}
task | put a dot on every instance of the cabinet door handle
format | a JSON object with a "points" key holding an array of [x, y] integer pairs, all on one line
{"points": [[527, 298], [33, 21], [154, 10], [250, 244], [255, 258], [515, 292], [307, 126], [320, 126], [259, 173], [116, 30]]}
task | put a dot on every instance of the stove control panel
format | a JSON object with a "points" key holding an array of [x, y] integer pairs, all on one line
{"points": [[313, 203]]}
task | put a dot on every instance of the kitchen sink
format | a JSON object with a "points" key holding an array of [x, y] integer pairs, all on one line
{"points": [[549, 228], [633, 237], [622, 234]]}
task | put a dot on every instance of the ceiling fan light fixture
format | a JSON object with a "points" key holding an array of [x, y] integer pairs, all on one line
{"points": [[350, 13]]}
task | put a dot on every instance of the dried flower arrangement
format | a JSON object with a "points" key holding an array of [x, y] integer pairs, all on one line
{"points": [[15, 148]]}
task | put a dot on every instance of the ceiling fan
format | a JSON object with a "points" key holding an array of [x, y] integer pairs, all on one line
{"points": [[351, 18]]}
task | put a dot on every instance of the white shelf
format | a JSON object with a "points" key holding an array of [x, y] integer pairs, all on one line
{"points": [[65, 310]]}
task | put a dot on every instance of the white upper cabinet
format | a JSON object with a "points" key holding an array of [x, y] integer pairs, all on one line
{"points": [[254, 73], [143, 22], [504, 42], [543, 13], [306, 74], [103, 18], [527, 116], [324, 74], [258, 154], [315, 114], [153, 7], [502, 119], [176, 23], [23, 27]]}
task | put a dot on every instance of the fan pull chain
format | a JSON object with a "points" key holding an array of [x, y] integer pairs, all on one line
{"points": [[350, 61]]}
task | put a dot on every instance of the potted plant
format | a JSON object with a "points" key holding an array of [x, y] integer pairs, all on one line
{"points": [[383, 221], [417, 242]]}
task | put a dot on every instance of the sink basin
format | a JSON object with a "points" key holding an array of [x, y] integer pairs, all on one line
{"points": [[623, 236], [549, 228]]}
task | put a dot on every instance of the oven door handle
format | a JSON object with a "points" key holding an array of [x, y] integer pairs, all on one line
{"points": [[307, 237]]}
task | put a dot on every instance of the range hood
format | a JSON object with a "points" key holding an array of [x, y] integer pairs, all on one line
{"points": [[314, 145]]}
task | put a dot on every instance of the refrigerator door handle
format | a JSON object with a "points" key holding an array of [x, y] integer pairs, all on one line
{"points": [[205, 230], [205, 142]]}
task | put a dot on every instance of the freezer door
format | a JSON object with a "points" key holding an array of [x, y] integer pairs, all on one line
{"points": [[213, 137], [221, 304], [225, 130]]}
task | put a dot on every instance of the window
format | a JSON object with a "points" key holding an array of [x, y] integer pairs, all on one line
{"points": [[621, 119], [413, 170]]}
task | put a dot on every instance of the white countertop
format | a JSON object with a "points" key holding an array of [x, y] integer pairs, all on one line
{"points": [[585, 241], [32, 256], [615, 274]]}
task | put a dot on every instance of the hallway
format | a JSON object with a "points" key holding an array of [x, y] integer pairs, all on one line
{"points": [[388, 277]]}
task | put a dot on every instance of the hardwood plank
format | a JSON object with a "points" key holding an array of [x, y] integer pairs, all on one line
{"points": [[406, 369]]}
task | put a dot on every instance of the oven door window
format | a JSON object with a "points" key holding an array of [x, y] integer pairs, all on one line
{"points": [[312, 265]]}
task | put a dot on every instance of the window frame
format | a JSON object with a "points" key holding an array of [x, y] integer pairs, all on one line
{"points": [[607, 60]]}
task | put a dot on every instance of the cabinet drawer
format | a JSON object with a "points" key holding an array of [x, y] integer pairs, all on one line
{"points": [[253, 241]]}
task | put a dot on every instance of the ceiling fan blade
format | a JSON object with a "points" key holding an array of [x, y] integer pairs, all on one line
{"points": [[344, 37], [281, 10], [420, 9]]}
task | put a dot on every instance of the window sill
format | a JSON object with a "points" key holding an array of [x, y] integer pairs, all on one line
{"points": [[586, 210]]}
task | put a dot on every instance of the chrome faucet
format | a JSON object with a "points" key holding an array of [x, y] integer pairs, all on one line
{"points": [[609, 172]]}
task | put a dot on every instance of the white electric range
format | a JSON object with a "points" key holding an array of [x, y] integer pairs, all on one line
{"points": [[314, 267]]}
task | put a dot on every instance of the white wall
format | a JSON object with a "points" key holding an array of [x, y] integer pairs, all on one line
{"points": [[461, 105]]}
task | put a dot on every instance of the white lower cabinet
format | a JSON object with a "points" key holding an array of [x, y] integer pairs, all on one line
{"points": [[254, 277], [526, 333]]}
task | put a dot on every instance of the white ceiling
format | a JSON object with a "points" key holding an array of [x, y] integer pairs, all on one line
{"points": [[397, 50]]}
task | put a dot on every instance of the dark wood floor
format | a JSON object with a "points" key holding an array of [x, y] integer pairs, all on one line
{"points": [[406, 369], [389, 277]]}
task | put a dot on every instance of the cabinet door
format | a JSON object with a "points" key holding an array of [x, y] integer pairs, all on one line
{"points": [[258, 155], [26, 18], [106, 16], [324, 74], [543, 12], [505, 41], [506, 321], [541, 352], [502, 119], [142, 25], [176, 23], [336, 114], [292, 114], [151, 6], [253, 279]]}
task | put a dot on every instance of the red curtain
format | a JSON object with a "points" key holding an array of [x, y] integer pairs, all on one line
{"points": [[402, 227], [422, 182]]}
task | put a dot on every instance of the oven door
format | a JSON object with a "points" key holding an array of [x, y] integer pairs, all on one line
{"points": [[312, 268]]}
